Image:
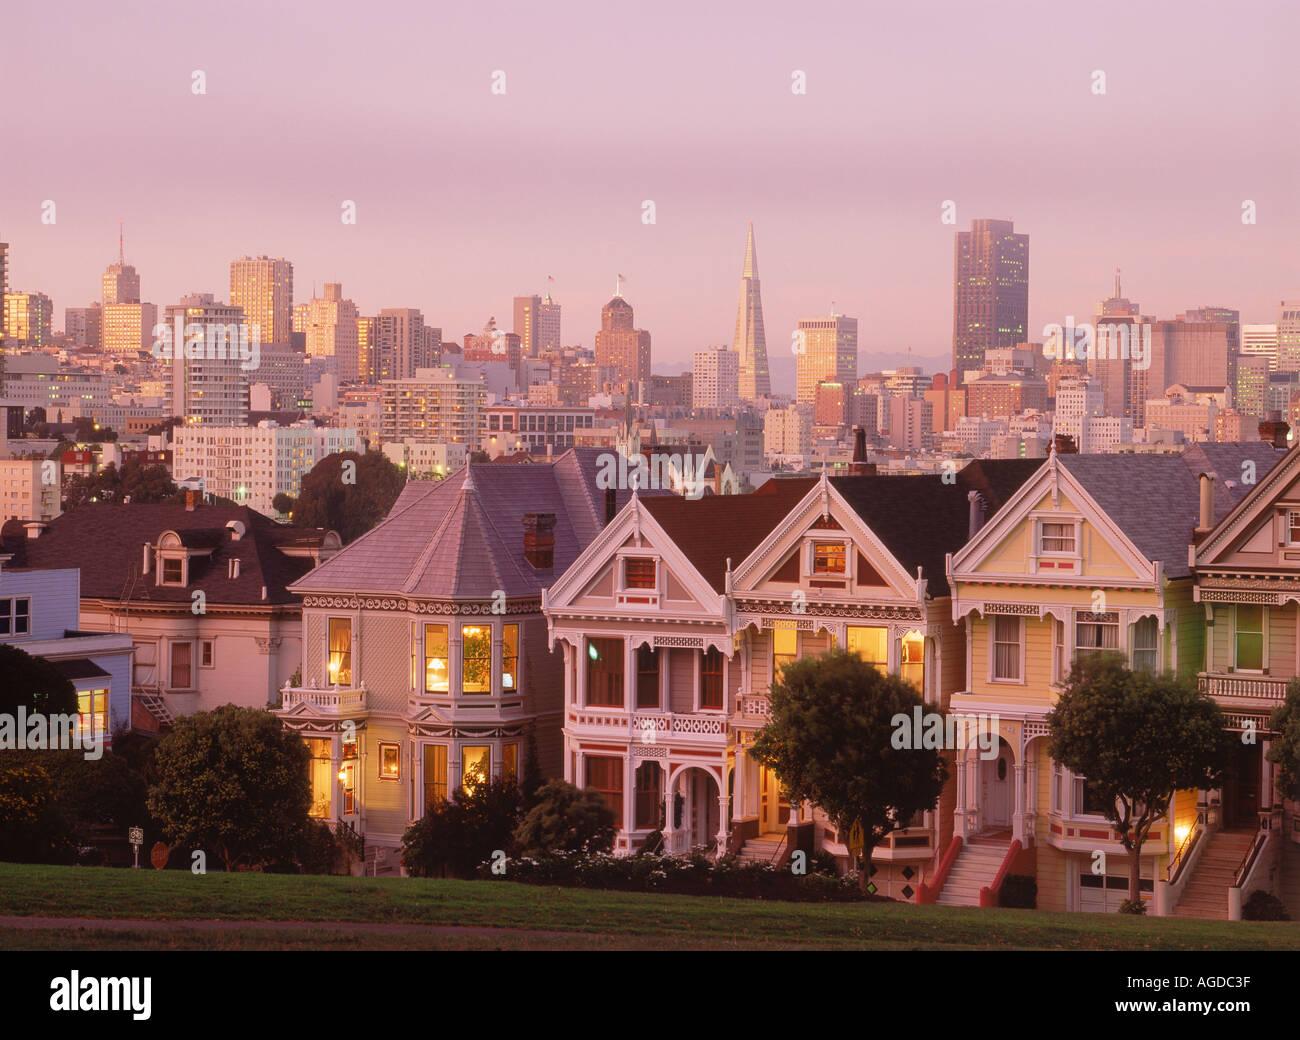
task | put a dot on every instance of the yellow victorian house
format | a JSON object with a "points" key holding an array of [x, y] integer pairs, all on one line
{"points": [[1091, 555]]}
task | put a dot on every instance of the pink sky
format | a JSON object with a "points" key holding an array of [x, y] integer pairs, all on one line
{"points": [[465, 199]]}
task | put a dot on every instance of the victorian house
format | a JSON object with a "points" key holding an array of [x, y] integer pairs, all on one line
{"points": [[201, 589], [425, 663], [675, 621], [1090, 555]]}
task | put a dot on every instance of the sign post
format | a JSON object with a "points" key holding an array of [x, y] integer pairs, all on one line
{"points": [[137, 839]]}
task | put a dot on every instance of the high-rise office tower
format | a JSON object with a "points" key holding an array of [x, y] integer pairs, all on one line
{"points": [[367, 349], [28, 318], [1288, 336], [827, 350], [1260, 341], [121, 283], [622, 347], [399, 342], [715, 379], [990, 292], [548, 325], [331, 331], [84, 326], [537, 324], [205, 389], [1118, 306], [750, 342], [4, 291], [263, 288]]}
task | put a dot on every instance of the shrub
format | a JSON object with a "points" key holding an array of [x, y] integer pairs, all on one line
{"points": [[32, 830], [1018, 892], [566, 819], [1264, 906], [1133, 906], [457, 835]]}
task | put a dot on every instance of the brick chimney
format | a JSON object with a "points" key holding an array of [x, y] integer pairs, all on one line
{"points": [[539, 540], [1274, 430], [190, 496], [860, 467], [611, 505]]}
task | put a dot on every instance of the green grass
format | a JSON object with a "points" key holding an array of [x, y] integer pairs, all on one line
{"points": [[603, 919]]}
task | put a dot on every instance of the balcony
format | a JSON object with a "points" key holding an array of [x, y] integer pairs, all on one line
{"points": [[329, 701], [1235, 688], [648, 727]]}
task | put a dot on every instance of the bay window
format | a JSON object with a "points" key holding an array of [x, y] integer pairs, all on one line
{"points": [[509, 657], [476, 766], [340, 651], [1006, 648], [320, 774], [871, 643], [435, 775], [1095, 634], [605, 673], [436, 672], [711, 688], [912, 667], [1248, 638], [476, 659], [647, 678]]}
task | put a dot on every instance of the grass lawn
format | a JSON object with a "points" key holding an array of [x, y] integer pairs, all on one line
{"points": [[602, 920]]}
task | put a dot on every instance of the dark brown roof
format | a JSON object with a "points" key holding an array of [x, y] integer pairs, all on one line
{"points": [[105, 542]]}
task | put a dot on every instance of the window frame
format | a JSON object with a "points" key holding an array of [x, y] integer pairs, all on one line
{"points": [[335, 676], [657, 672], [628, 585], [717, 677], [486, 691], [1043, 536], [621, 701], [882, 666], [385, 747], [9, 616], [207, 653], [1088, 617], [1154, 650], [1263, 638], [839, 548], [510, 661], [172, 644], [785, 658], [427, 658], [613, 796], [994, 643]]}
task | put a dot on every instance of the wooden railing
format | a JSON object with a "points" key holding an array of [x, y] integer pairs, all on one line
{"points": [[1235, 686], [1184, 851], [989, 893], [929, 892], [1248, 860]]}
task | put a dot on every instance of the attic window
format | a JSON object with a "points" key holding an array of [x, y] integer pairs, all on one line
{"points": [[1293, 527], [829, 557], [173, 572], [1057, 538], [639, 572]]}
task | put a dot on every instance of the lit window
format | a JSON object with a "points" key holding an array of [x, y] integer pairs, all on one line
{"points": [[871, 644], [92, 711], [1057, 538], [340, 651], [319, 774], [1006, 648], [510, 761], [510, 657], [476, 766], [913, 663], [435, 660], [435, 775], [390, 761], [476, 666], [348, 778], [1249, 638], [829, 557], [785, 649], [639, 572]]}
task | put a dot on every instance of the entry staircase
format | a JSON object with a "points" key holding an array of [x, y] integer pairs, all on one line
{"points": [[762, 849], [1206, 894], [976, 867]]}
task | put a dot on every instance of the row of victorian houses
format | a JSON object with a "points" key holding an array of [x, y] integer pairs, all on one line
{"points": [[628, 641]]}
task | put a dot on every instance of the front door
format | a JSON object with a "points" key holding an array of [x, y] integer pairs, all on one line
{"points": [[774, 809], [997, 775], [1245, 785]]}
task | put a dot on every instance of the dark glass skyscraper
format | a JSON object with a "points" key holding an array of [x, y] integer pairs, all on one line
{"points": [[990, 304]]}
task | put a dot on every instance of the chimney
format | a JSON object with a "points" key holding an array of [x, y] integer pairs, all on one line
{"points": [[539, 540], [611, 505], [1274, 430], [860, 467], [189, 500], [976, 521], [1206, 519], [35, 529], [146, 560]]}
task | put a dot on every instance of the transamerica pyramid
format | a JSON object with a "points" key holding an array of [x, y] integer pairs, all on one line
{"points": [[750, 342]]}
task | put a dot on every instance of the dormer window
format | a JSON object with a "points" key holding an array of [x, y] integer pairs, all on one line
{"points": [[173, 572], [1056, 539], [639, 572]]}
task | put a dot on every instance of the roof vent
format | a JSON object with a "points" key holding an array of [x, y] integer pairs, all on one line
{"points": [[236, 528]]}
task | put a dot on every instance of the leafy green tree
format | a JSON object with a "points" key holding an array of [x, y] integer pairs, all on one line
{"points": [[456, 835], [1137, 737], [33, 683], [32, 830], [233, 782], [351, 508], [566, 819], [282, 503], [1284, 749], [135, 481], [831, 741]]}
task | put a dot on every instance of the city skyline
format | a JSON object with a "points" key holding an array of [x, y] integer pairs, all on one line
{"points": [[713, 150]]}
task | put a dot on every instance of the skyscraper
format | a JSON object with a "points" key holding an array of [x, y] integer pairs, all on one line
{"points": [[990, 305], [84, 325], [398, 343], [548, 325], [750, 342], [263, 288], [121, 283], [827, 350], [205, 389], [331, 331], [1288, 336], [715, 379], [621, 347], [28, 318]]}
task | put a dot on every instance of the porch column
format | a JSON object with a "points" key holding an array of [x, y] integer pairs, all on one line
{"points": [[1266, 778], [723, 832], [738, 783], [1018, 819], [1031, 795], [629, 795], [961, 810], [670, 832]]}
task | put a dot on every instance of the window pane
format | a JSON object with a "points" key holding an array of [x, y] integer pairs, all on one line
{"points": [[828, 558], [21, 620], [476, 667], [435, 659], [711, 694], [390, 761], [647, 677], [649, 800], [319, 772], [639, 572], [435, 775], [180, 665], [1145, 635], [913, 664], [476, 766], [606, 776], [340, 653], [869, 643], [509, 656], [1058, 538], [1006, 647], [605, 672]]}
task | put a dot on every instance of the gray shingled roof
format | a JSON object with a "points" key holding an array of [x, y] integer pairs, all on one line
{"points": [[441, 540], [1155, 499]]}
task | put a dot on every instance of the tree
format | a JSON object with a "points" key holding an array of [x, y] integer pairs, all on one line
{"points": [[282, 503], [479, 456], [350, 508], [566, 819], [34, 684], [1284, 749], [136, 482], [456, 835], [234, 782], [831, 741], [1137, 737]]}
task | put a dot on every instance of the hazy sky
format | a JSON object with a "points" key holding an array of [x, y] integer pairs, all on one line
{"points": [[465, 198]]}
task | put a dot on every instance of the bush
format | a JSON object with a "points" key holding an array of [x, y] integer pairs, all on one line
{"points": [[458, 835], [32, 830], [1018, 892], [1133, 906], [566, 819], [1264, 906]]}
